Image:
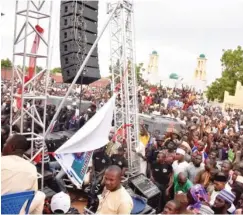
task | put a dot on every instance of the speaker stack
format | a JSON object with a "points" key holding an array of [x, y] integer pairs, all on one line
{"points": [[78, 22]]}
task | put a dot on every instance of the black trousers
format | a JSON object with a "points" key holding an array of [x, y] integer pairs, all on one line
{"points": [[163, 199]]}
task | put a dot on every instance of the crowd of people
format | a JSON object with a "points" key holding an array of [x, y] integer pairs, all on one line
{"points": [[198, 170]]}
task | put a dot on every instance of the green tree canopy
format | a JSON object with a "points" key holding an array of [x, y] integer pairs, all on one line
{"points": [[232, 62], [56, 70], [139, 69], [38, 69], [6, 63]]}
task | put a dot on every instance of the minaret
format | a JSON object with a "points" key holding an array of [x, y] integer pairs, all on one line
{"points": [[200, 76], [200, 71], [152, 70]]}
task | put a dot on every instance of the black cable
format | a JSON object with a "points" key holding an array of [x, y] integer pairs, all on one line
{"points": [[80, 96]]}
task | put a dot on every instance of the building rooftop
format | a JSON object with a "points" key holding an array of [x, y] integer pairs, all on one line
{"points": [[154, 52], [173, 76]]}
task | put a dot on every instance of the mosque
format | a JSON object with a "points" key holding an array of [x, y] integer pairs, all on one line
{"points": [[198, 81], [151, 73], [200, 75]]}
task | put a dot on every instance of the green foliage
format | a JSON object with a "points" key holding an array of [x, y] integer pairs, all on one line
{"points": [[139, 69], [6, 63], [56, 70], [116, 70], [232, 62], [38, 69]]}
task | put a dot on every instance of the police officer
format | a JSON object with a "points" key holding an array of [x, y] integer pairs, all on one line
{"points": [[161, 175], [120, 160], [100, 160]]}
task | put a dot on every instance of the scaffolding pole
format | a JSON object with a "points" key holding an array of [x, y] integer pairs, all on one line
{"points": [[122, 57], [80, 72], [28, 14]]}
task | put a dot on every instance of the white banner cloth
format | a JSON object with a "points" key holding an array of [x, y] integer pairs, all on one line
{"points": [[94, 134]]}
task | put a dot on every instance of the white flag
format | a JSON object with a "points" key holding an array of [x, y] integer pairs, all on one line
{"points": [[94, 134]]}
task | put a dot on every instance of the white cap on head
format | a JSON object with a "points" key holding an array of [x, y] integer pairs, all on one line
{"points": [[60, 201], [180, 151]]}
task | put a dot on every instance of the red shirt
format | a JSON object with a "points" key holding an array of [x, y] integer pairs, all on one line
{"points": [[148, 100]]}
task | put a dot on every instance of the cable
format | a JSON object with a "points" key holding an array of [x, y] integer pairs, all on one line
{"points": [[81, 41]]}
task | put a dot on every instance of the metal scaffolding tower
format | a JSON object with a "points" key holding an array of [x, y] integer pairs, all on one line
{"points": [[124, 77], [28, 14], [122, 65]]}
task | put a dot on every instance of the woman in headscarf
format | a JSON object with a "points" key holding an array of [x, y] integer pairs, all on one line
{"points": [[197, 196]]}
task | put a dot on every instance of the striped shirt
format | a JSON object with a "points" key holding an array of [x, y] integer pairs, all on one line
{"points": [[38, 145]]}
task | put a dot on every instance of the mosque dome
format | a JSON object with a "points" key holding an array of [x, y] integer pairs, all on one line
{"points": [[173, 76], [202, 55], [154, 53]]}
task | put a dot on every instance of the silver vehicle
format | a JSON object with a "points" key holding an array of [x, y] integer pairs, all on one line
{"points": [[159, 125]]}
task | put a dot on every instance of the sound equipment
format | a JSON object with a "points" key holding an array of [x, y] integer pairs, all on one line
{"points": [[145, 187], [148, 209], [78, 32], [57, 139], [53, 141]]}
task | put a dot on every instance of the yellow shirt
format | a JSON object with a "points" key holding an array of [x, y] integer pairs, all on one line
{"points": [[17, 175], [144, 139], [117, 202]]}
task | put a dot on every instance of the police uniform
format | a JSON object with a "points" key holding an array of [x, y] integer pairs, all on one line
{"points": [[161, 174], [100, 161], [119, 161]]}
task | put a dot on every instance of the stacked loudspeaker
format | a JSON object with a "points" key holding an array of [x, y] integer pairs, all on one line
{"points": [[78, 19]]}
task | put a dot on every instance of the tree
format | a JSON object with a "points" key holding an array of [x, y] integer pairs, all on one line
{"points": [[232, 62], [38, 69], [139, 69], [56, 70], [6, 63], [116, 70]]}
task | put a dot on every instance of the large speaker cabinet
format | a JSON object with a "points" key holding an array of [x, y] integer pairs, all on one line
{"points": [[78, 19]]}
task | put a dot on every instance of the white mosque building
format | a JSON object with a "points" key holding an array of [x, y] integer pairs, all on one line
{"points": [[151, 73], [198, 81], [200, 74]]}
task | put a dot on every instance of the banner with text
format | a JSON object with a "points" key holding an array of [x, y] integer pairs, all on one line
{"points": [[75, 165]]}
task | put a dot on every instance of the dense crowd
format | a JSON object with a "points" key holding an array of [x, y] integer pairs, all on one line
{"points": [[199, 169]]}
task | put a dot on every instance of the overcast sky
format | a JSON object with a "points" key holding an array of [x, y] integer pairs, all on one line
{"points": [[179, 30]]}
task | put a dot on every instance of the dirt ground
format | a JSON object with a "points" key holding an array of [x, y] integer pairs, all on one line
{"points": [[78, 201]]}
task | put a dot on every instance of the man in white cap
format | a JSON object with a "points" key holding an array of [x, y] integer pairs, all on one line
{"points": [[180, 165], [223, 202], [61, 204]]}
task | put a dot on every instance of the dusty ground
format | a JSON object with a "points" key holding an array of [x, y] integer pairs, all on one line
{"points": [[79, 203], [79, 206]]}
